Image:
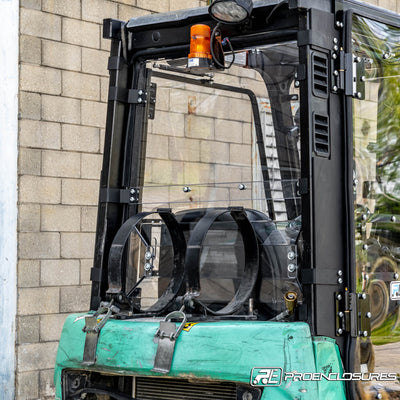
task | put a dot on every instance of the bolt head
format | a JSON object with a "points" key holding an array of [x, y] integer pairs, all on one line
{"points": [[140, 92], [363, 79], [340, 281], [365, 246], [131, 199], [334, 56], [335, 47], [355, 182], [339, 296], [378, 396], [365, 333], [339, 331], [291, 267], [359, 95], [363, 296], [341, 25], [336, 72], [393, 218], [338, 24], [147, 267], [368, 315], [385, 56], [140, 100], [132, 191], [296, 84], [340, 272], [396, 276], [148, 255], [335, 88], [291, 255], [335, 40], [340, 314]]}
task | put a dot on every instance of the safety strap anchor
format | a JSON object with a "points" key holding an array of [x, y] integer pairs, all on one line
{"points": [[166, 335]]}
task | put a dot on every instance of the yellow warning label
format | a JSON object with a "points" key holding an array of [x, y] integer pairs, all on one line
{"points": [[189, 326]]}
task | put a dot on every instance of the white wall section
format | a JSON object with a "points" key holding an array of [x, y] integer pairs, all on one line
{"points": [[9, 11]]}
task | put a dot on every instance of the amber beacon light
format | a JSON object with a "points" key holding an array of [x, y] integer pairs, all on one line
{"points": [[200, 52]]}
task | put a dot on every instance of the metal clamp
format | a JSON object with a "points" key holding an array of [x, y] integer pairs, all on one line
{"points": [[92, 329], [167, 335]]}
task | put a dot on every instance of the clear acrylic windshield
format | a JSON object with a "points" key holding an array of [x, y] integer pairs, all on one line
{"points": [[377, 199], [230, 141]]}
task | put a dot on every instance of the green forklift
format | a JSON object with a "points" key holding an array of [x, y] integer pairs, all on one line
{"points": [[248, 241]]}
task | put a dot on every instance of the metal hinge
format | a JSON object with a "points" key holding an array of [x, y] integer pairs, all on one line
{"points": [[352, 314], [121, 196], [348, 74]]}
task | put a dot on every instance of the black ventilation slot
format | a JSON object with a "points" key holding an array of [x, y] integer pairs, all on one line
{"points": [[321, 135], [320, 75], [181, 389]]}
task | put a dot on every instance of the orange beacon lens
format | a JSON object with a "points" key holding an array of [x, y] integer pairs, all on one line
{"points": [[200, 52]]}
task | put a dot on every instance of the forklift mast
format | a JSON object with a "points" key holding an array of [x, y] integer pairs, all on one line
{"points": [[249, 190]]}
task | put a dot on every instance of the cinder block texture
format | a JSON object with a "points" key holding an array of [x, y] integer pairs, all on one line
{"points": [[62, 111], [39, 134], [61, 55], [28, 385], [75, 299], [36, 356], [40, 24]]}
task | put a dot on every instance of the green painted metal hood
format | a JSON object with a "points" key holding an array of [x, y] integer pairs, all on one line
{"points": [[222, 350]]}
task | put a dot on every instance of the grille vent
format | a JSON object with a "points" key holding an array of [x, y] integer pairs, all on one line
{"points": [[182, 389], [320, 75], [321, 135]]}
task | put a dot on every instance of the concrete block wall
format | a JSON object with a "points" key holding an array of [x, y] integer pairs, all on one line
{"points": [[62, 109]]}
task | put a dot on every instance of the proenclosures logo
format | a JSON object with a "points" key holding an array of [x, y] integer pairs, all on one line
{"points": [[267, 376]]}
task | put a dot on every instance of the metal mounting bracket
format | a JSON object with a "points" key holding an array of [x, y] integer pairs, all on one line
{"points": [[130, 96], [112, 28], [121, 196]]}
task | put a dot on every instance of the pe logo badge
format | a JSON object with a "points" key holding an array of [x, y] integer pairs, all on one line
{"points": [[263, 376]]}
